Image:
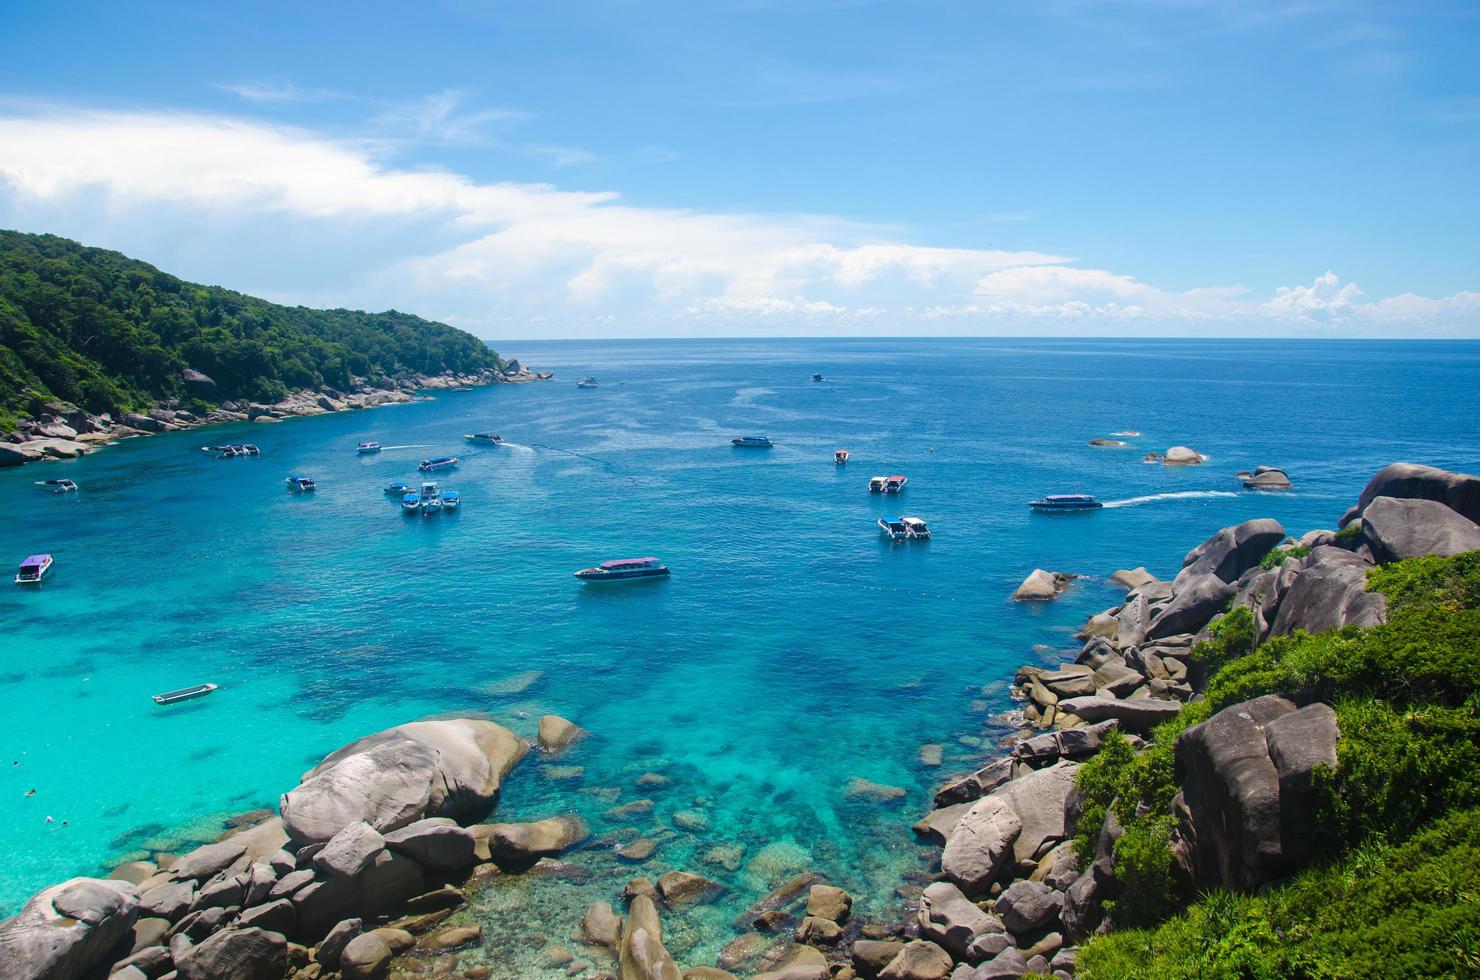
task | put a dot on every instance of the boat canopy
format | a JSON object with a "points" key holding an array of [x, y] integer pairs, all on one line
{"points": [[897, 478], [1068, 496], [35, 560], [893, 520], [628, 562]]}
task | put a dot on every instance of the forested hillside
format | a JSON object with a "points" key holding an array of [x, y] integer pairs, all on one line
{"points": [[108, 332]]}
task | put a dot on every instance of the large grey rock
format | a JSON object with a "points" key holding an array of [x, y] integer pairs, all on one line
{"points": [[641, 955], [209, 860], [1460, 492], [1132, 578], [871, 956], [976, 785], [524, 843], [1006, 964], [235, 954], [1246, 789], [1039, 586], [199, 384], [327, 955], [981, 845], [1038, 798], [1232, 551], [365, 957], [1029, 905], [1198, 599], [1137, 715], [435, 844], [278, 916], [1328, 592], [447, 768], [169, 901], [350, 851], [952, 920], [940, 823], [919, 960], [1396, 529], [66, 930]]}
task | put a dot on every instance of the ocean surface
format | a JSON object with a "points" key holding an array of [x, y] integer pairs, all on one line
{"points": [[792, 652]]}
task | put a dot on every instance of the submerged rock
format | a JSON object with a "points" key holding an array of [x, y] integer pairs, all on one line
{"points": [[556, 733]]}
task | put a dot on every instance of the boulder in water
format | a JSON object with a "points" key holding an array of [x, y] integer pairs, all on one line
{"points": [[1182, 456], [1040, 586]]}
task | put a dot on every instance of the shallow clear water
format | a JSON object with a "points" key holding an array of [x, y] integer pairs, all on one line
{"points": [[791, 652]]}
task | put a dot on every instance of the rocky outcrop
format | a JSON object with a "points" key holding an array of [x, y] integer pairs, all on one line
{"points": [[1460, 492], [1196, 601], [1328, 591], [1246, 790], [980, 846], [67, 930], [1232, 551], [234, 954], [1182, 456], [450, 768], [556, 733], [1397, 528]]}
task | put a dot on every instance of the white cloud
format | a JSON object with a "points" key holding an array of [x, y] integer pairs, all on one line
{"points": [[523, 257]]}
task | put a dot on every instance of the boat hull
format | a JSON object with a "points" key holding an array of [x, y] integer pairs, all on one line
{"points": [[1048, 507], [597, 575]]}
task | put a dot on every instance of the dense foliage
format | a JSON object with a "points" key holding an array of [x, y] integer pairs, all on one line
{"points": [[1397, 891], [107, 332]]}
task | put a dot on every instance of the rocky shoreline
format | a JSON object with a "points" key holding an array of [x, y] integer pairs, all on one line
{"points": [[372, 865], [60, 430]]}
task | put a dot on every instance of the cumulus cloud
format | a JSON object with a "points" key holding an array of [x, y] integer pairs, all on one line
{"points": [[512, 257]]}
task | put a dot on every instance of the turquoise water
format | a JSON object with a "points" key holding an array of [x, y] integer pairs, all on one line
{"points": [[791, 652]]}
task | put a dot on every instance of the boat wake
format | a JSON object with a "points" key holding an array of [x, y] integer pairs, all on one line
{"points": [[1179, 495], [421, 445]]}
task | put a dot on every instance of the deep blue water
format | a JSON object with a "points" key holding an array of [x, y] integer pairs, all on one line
{"points": [[792, 650]]}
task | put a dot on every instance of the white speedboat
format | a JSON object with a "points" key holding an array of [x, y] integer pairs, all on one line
{"points": [[894, 484], [587, 383], [430, 499], [484, 438], [368, 448], [624, 570], [301, 484], [184, 694], [752, 442], [33, 570], [915, 528], [876, 484], [438, 463], [57, 486]]}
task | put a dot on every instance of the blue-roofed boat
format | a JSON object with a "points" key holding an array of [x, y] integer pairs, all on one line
{"points": [[894, 528], [411, 502], [301, 484], [398, 489], [1066, 501], [33, 570], [752, 442], [451, 500], [623, 570], [438, 463], [368, 448]]}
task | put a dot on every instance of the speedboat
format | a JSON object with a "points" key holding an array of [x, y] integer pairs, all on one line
{"points": [[451, 499], [367, 448], [623, 570], [840, 456], [876, 484], [438, 463], [430, 499], [586, 383], [894, 528], [301, 484], [184, 694], [398, 489], [817, 377], [33, 570], [894, 484], [484, 438], [233, 450], [752, 442], [411, 502], [57, 486], [915, 528], [1066, 501]]}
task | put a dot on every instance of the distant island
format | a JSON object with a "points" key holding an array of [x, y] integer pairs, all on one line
{"points": [[90, 338]]}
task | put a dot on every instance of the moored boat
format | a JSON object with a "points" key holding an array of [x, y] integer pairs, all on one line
{"points": [[752, 442], [184, 694], [840, 456], [894, 484], [57, 486], [438, 463], [301, 484], [233, 450], [894, 528], [430, 499], [817, 377], [876, 484], [398, 489], [368, 448], [587, 383], [451, 500], [411, 502], [623, 569], [916, 528], [1066, 501], [33, 569], [484, 438]]}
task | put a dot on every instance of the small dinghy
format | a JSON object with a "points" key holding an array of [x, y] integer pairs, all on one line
{"points": [[184, 694], [57, 486]]}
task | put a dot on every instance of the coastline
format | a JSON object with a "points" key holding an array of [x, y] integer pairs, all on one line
{"points": [[59, 430]]}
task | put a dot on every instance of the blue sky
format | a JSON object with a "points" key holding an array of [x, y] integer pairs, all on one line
{"points": [[752, 167]]}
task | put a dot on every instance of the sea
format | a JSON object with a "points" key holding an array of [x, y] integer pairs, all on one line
{"points": [[775, 691]]}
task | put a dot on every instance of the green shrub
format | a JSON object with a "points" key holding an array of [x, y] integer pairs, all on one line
{"points": [[1099, 781], [1230, 637], [1446, 583], [1382, 911], [1143, 867], [1277, 556]]}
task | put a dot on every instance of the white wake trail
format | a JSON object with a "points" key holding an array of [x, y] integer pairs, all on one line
{"points": [[1179, 495]]}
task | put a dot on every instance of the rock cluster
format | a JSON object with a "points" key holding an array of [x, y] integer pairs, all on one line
{"points": [[60, 430]]}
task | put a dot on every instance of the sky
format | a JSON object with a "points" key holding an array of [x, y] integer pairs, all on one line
{"points": [[1290, 168]]}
